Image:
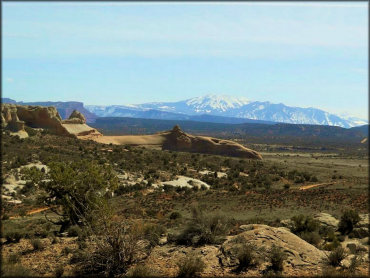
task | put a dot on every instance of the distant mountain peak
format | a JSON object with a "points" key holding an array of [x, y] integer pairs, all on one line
{"points": [[211, 102]]}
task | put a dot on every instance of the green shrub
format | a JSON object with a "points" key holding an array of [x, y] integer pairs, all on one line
{"points": [[14, 236], [355, 263], [247, 257], [276, 258], [15, 270], [203, 229], [311, 237], [336, 256], [153, 232], [37, 244], [303, 223], [140, 271], [175, 215], [190, 266], [347, 221], [59, 271], [74, 231], [66, 250], [13, 258]]}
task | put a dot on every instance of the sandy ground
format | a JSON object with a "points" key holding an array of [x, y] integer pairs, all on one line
{"points": [[154, 139]]}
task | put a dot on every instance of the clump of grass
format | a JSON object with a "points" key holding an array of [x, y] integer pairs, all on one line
{"points": [[13, 258], [355, 263], [13, 236], [276, 258], [336, 256], [190, 266], [37, 244], [140, 271], [203, 229], [175, 215], [247, 257], [59, 271], [66, 250]]}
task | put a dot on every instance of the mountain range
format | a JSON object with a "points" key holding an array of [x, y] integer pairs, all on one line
{"points": [[226, 109], [209, 108]]}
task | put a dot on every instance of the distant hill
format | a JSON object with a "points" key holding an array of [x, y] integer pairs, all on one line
{"points": [[64, 108], [364, 129], [254, 132]]}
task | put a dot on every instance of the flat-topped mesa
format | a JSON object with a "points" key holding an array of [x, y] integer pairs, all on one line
{"points": [[177, 140]]}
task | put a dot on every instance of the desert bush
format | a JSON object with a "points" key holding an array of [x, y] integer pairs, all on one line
{"points": [[66, 250], [115, 249], [13, 236], [37, 244], [15, 270], [247, 256], [311, 237], [175, 215], [336, 256], [74, 230], [140, 271], [203, 229], [59, 271], [302, 223], [347, 221], [276, 258], [13, 258], [354, 264], [76, 190], [54, 240], [153, 232], [332, 245], [190, 266]]}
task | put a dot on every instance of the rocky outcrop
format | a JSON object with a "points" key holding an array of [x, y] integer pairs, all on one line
{"points": [[300, 254], [75, 118], [177, 140], [325, 219], [15, 117]]}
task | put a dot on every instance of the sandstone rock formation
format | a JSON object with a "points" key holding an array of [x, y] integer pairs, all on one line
{"points": [[15, 117], [75, 118], [300, 254], [325, 219], [177, 140]]}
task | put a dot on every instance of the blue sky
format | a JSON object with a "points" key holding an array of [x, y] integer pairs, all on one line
{"points": [[301, 54]]}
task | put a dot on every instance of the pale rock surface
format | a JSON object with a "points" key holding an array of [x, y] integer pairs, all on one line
{"points": [[325, 219]]}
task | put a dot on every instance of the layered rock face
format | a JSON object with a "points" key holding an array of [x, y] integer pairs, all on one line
{"points": [[16, 117], [177, 140]]}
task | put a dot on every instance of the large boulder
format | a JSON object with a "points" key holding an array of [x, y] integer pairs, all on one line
{"points": [[300, 254], [325, 219]]}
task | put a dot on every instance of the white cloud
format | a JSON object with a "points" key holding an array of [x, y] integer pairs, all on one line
{"points": [[9, 80]]}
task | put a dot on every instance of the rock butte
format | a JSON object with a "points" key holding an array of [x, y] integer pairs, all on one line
{"points": [[16, 117]]}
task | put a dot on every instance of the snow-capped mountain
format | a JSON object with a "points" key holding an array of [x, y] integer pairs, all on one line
{"points": [[228, 106]]}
